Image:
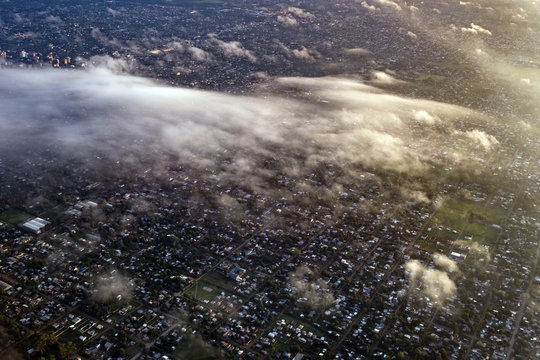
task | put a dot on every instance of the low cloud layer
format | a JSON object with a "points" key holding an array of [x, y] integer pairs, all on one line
{"points": [[342, 123]]}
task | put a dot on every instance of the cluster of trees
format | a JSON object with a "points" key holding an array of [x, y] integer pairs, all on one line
{"points": [[14, 330], [49, 347]]}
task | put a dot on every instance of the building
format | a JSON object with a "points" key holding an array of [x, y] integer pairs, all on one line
{"points": [[35, 225], [4, 286], [235, 272]]}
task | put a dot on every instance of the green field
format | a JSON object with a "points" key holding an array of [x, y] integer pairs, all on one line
{"points": [[467, 218], [430, 77], [70, 335], [53, 213], [202, 290], [14, 216], [220, 280], [210, 286], [429, 243]]}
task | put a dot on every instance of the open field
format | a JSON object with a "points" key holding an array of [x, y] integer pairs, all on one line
{"points": [[14, 216], [52, 213], [460, 219], [456, 210], [220, 280], [203, 291], [210, 286]]}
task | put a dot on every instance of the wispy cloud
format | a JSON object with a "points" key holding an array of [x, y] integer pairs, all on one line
{"points": [[231, 48], [345, 123]]}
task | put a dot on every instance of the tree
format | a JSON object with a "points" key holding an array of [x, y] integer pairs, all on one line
{"points": [[48, 345], [66, 349]]}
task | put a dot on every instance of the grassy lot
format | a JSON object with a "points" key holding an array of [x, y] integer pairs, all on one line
{"points": [[210, 286], [14, 216], [430, 77], [206, 293], [458, 209], [220, 280], [469, 218], [115, 317], [203, 291], [429, 242], [70, 335], [53, 213]]}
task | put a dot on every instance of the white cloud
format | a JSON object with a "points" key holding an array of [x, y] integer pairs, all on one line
{"points": [[433, 283], [104, 40], [112, 286], [178, 46], [481, 138], [112, 11], [287, 20], [388, 3], [369, 7], [292, 14], [425, 117], [468, 3], [196, 53], [231, 48], [412, 35], [479, 252], [445, 263], [357, 51], [300, 12], [344, 122], [302, 53], [382, 78], [200, 54], [415, 195], [476, 29], [54, 20], [310, 289]]}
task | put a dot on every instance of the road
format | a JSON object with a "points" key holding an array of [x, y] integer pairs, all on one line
{"points": [[524, 303]]}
